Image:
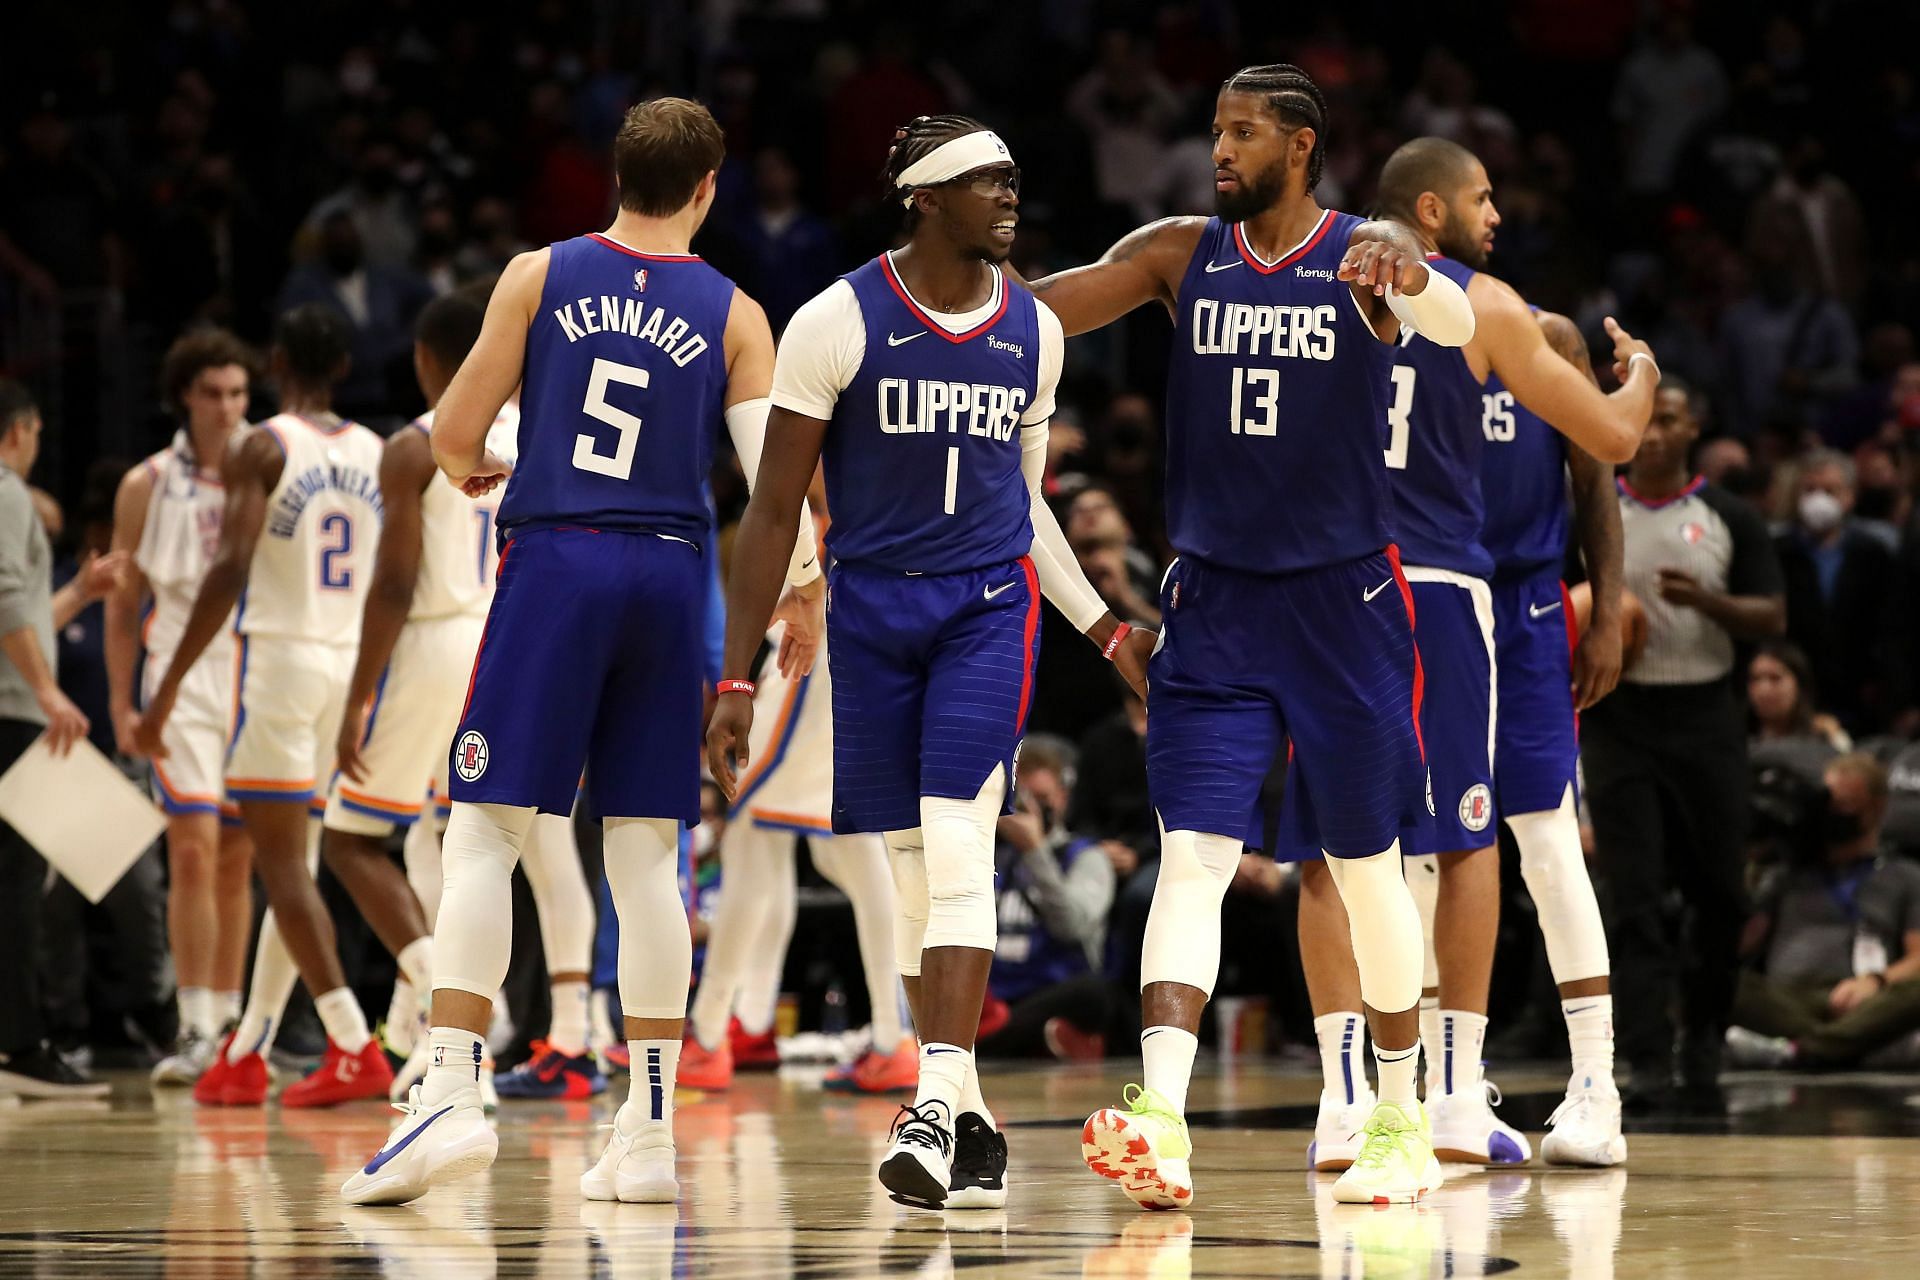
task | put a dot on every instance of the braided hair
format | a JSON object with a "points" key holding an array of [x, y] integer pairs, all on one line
{"points": [[1294, 99], [915, 139]]}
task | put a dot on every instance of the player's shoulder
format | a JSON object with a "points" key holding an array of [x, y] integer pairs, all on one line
{"points": [[1170, 240], [834, 307]]}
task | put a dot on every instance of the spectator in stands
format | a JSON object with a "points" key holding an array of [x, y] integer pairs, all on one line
{"points": [[1842, 609], [785, 253], [1784, 728], [1127, 110], [1785, 351], [1840, 937], [379, 302], [1669, 90], [1812, 211], [1055, 889]]}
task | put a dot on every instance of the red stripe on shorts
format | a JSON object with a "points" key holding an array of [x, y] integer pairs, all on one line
{"points": [[1033, 627], [481, 648], [1419, 672]]}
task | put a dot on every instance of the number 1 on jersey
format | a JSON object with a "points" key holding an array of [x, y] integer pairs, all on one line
{"points": [[953, 477], [1399, 423]]}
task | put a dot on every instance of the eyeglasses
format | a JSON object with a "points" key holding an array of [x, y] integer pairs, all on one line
{"points": [[989, 183]]}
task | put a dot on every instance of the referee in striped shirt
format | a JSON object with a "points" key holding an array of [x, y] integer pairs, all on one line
{"points": [[1665, 759]]}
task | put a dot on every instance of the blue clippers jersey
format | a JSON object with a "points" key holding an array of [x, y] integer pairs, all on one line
{"points": [[1524, 469], [922, 454], [625, 386], [1434, 441], [1276, 408]]}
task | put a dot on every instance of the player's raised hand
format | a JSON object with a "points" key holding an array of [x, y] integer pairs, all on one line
{"points": [[727, 736], [1625, 348], [803, 610], [346, 748], [488, 476], [1131, 658], [1375, 264]]}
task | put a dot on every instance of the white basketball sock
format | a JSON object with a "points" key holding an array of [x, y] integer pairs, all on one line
{"points": [[656, 1064], [1397, 1069], [273, 977], [1343, 1039], [198, 1011], [340, 1014], [454, 1068], [227, 1006], [943, 1077], [1457, 1046], [1166, 1058], [1590, 1034], [567, 1029], [1430, 1043], [971, 1099]]}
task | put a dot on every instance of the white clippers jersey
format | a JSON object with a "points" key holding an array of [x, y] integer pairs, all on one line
{"points": [[314, 559], [457, 552], [177, 543]]}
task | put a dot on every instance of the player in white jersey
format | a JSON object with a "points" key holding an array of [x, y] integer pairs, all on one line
{"points": [[788, 792], [302, 512], [166, 516]]}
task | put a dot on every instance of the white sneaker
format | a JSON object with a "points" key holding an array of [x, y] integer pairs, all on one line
{"points": [[428, 1147], [1750, 1049], [918, 1167], [192, 1055], [1465, 1130], [1144, 1146], [489, 1096], [413, 1070], [636, 1168], [1585, 1129], [1336, 1133], [1395, 1164]]}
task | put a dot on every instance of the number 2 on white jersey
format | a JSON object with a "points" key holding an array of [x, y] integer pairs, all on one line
{"points": [[1399, 424], [586, 457]]}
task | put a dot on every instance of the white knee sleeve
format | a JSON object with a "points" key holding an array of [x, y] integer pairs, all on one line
{"points": [[959, 851], [1385, 926], [551, 859], [420, 851], [472, 936], [907, 856], [656, 942], [1423, 879], [1183, 925], [1555, 870]]}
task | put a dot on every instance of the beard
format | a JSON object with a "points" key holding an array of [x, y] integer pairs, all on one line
{"points": [[1462, 246], [1253, 196]]}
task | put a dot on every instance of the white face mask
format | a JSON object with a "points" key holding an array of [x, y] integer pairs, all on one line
{"points": [[1820, 512]]}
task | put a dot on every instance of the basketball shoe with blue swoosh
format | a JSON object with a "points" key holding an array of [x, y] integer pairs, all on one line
{"points": [[429, 1146]]}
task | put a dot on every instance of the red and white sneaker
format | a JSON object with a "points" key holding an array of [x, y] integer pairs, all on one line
{"points": [[342, 1077], [871, 1072], [704, 1068], [751, 1052], [233, 1084], [1143, 1146]]}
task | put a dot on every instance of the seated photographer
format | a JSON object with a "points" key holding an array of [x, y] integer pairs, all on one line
{"points": [[1045, 993], [1840, 931]]}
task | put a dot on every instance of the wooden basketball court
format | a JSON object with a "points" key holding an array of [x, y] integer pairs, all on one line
{"points": [[1806, 1176]]}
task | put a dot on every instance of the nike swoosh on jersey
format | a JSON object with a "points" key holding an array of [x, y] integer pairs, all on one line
{"points": [[991, 592], [1222, 266], [1541, 610], [1369, 595], [894, 340]]}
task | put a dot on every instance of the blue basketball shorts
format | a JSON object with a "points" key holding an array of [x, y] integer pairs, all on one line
{"points": [[592, 657], [1537, 746], [1323, 659], [932, 678], [1454, 627]]}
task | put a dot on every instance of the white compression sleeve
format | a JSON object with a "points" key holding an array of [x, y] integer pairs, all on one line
{"points": [[420, 851], [747, 424], [1061, 580], [858, 865], [1385, 926], [907, 856], [959, 858], [1183, 925], [754, 864], [1555, 869], [1440, 313], [551, 859], [1423, 878], [656, 946], [479, 851]]}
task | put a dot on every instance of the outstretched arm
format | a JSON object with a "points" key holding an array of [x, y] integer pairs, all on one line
{"points": [[1145, 266], [1541, 378], [249, 471], [1386, 267]]}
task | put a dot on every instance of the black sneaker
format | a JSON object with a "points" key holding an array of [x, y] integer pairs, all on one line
{"points": [[979, 1165], [41, 1073], [919, 1160]]}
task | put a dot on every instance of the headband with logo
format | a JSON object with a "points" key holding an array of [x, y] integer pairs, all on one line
{"points": [[963, 154]]}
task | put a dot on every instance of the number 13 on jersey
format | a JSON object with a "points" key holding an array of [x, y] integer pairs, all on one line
{"points": [[1256, 402]]}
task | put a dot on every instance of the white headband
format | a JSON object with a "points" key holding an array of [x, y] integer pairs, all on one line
{"points": [[964, 154]]}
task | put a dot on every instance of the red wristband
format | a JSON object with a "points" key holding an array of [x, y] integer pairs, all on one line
{"points": [[1113, 641], [736, 686]]}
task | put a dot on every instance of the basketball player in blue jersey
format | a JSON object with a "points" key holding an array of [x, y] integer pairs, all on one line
{"points": [[924, 381], [1286, 616], [632, 350], [1445, 406]]}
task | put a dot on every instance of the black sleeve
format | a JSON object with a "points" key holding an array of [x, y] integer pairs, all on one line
{"points": [[1755, 567]]}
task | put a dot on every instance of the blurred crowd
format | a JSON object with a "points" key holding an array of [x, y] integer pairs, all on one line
{"points": [[1736, 185]]}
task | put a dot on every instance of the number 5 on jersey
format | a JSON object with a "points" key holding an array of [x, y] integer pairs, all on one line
{"points": [[586, 454]]}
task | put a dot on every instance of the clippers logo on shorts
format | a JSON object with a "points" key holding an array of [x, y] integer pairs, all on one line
{"points": [[470, 756], [1476, 807]]}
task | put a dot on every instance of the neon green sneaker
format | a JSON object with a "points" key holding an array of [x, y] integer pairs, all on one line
{"points": [[1395, 1164], [1142, 1145]]}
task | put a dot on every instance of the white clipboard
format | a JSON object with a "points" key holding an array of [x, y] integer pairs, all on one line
{"points": [[81, 813]]}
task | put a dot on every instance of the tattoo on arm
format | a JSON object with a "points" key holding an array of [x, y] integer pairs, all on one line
{"points": [[1564, 336]]}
